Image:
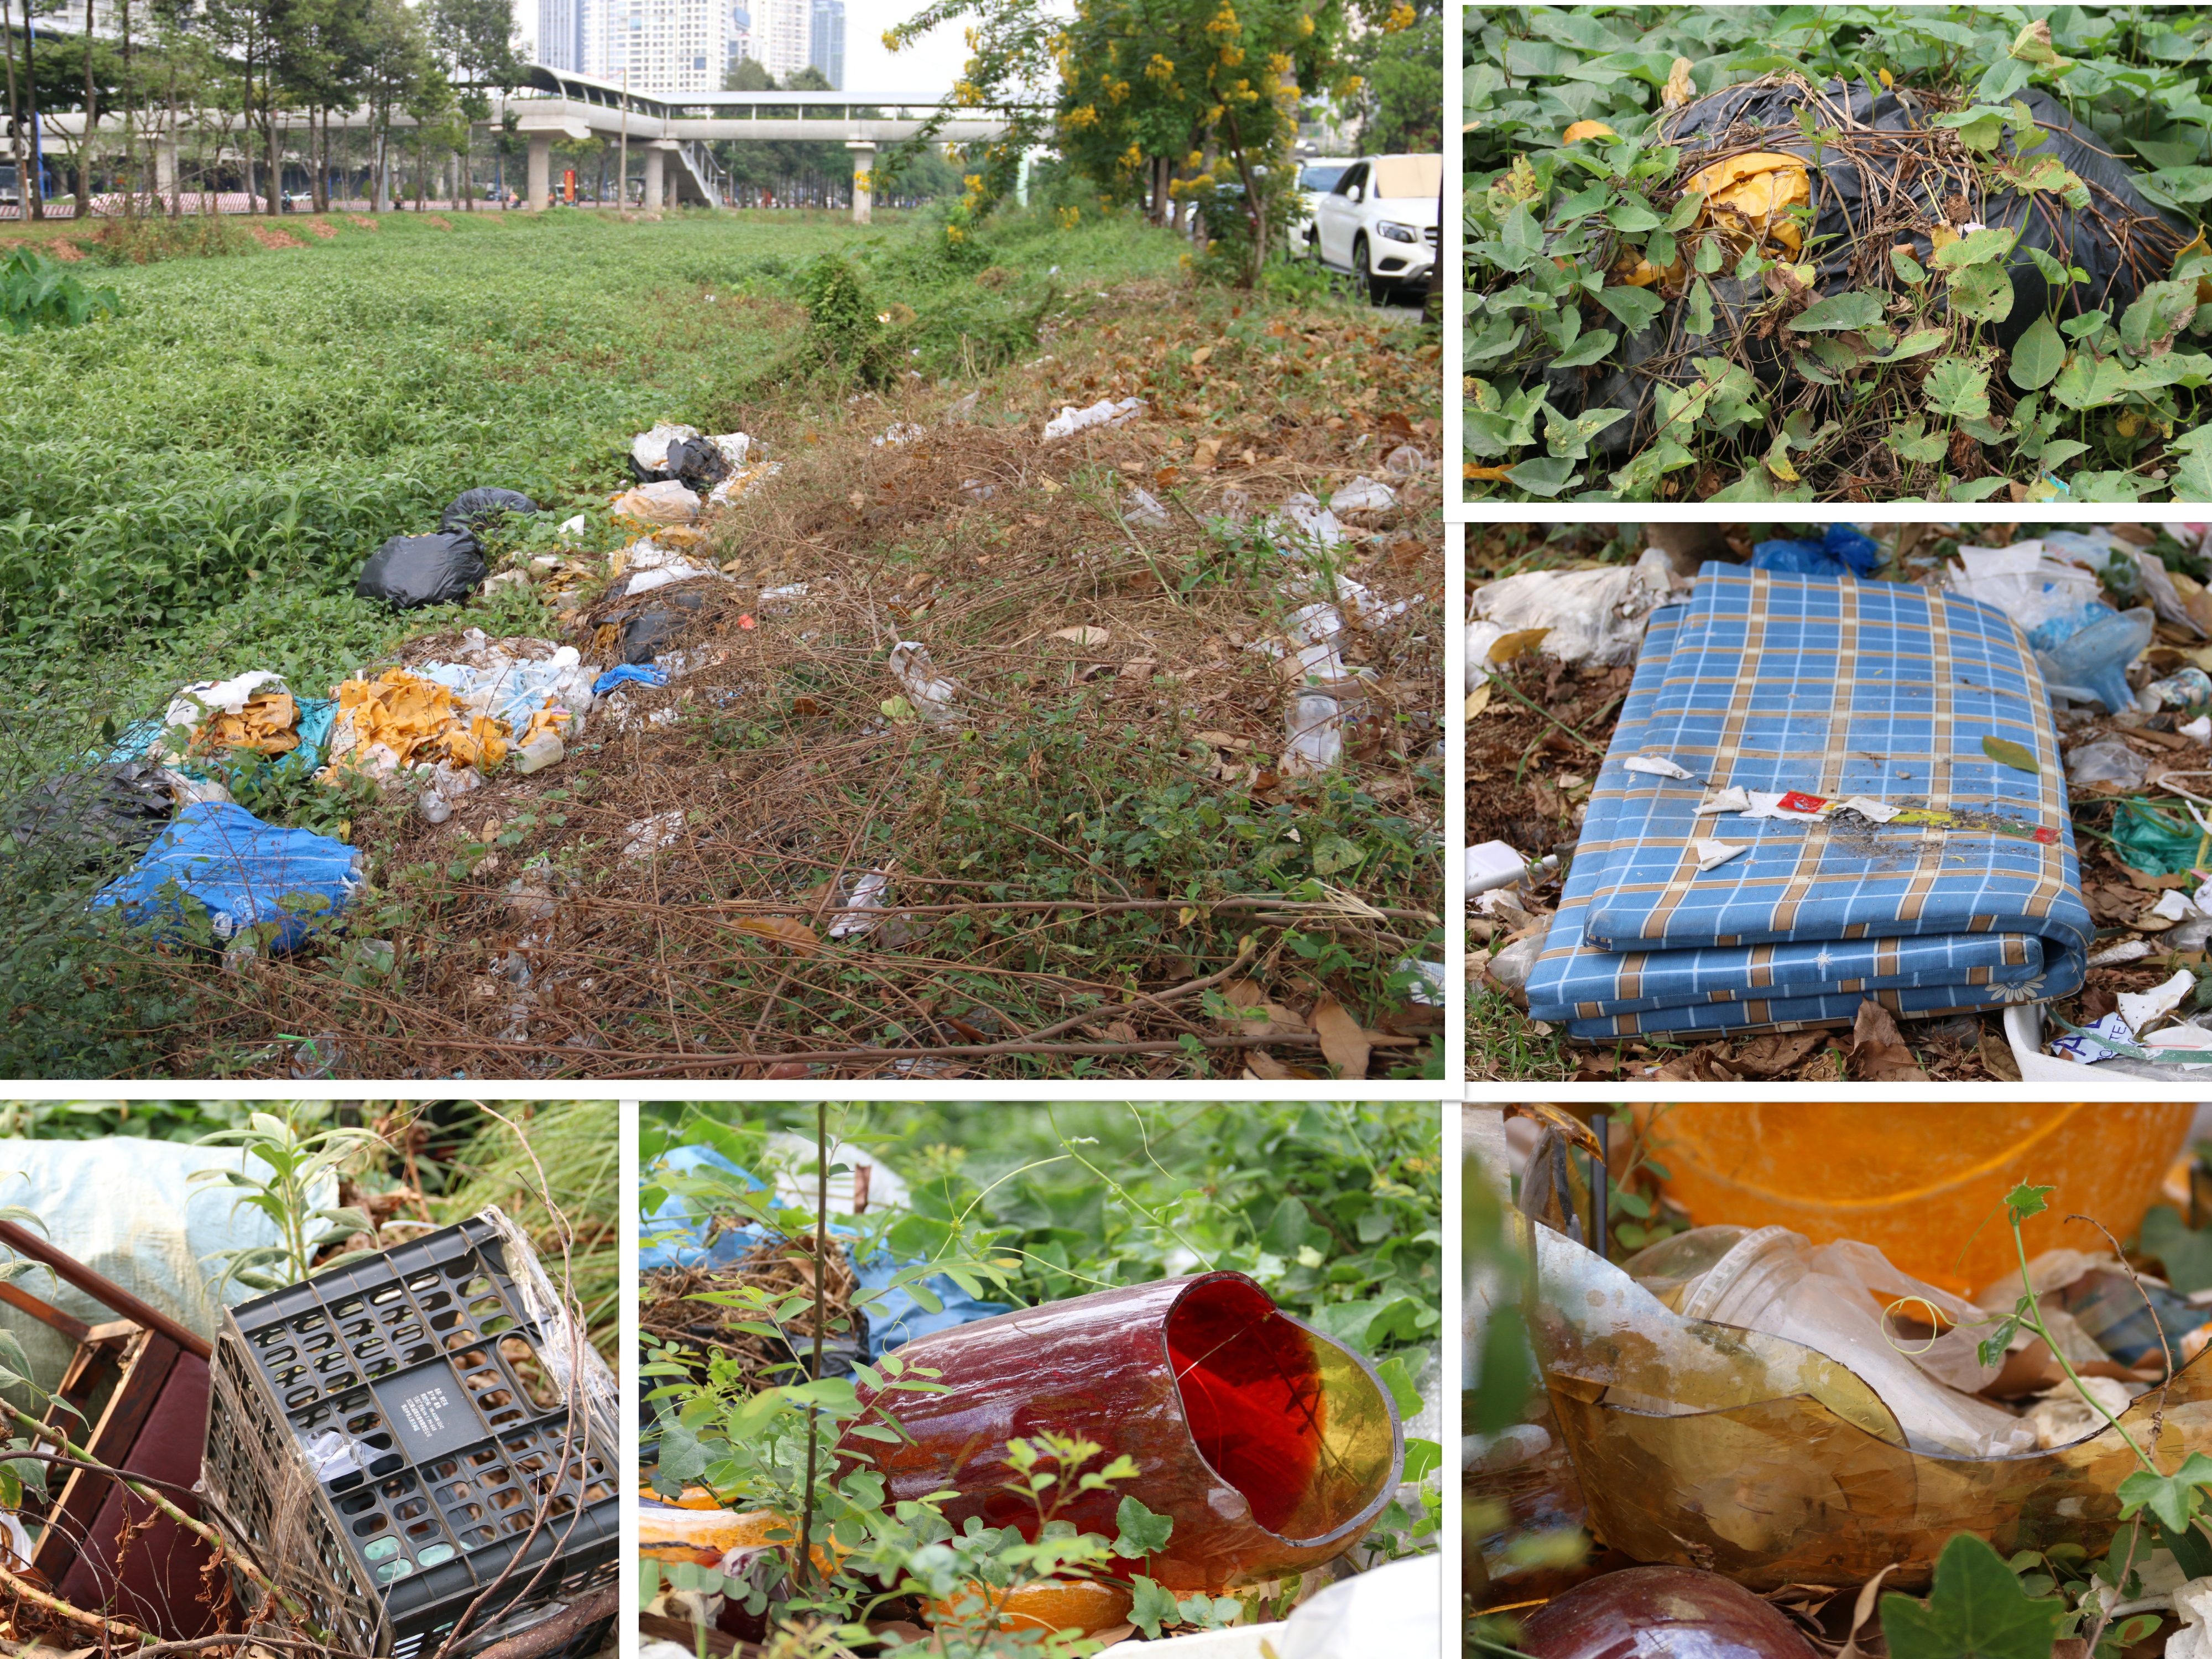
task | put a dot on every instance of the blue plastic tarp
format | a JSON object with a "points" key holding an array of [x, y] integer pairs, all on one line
{"points": [[1834, 689], [242, 870], [669, 1238]]}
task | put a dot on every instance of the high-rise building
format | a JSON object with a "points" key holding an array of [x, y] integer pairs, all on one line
{"points": [[561, 31], [668, 47], [826, 40], [738, 34], [781, 36]]}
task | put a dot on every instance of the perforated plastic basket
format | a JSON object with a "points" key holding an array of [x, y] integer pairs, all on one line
{"points": [[371, 1437]]}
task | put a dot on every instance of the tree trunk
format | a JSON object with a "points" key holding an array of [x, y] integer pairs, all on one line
{"points": [[129, 140], [91, 125], [275, 160], [34, 184], [463, 172], [14, 127]]}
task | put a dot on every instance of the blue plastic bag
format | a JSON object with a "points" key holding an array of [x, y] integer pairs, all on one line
{"points": [[242, 870], [2046, 634], [893, 1319], [628, 674], [1843, 551]]}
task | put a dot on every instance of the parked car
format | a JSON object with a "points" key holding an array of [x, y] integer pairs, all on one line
{"points": [[1317, 176], [1379, 222]]}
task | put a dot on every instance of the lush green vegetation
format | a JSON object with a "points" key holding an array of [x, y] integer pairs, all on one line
{"points": [[1754, 383], [1335, 1208]]}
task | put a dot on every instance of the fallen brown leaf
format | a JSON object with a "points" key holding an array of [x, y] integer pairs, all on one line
{"points": [[1773, 1054], [1878, 1050], [1247, 994], [785, 930], [1341, 1040], [1998, 1057]]}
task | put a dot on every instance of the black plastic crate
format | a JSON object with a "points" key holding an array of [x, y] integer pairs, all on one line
{"points": [[396, 1364]]}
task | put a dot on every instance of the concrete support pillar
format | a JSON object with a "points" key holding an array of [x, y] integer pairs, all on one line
{"points": [[654, 171], [864, 184], [541, 171], [165, 167]]}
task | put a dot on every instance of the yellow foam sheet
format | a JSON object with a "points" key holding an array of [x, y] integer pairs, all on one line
{"points": [[264, 726], [1755, 190], [417, 720]]}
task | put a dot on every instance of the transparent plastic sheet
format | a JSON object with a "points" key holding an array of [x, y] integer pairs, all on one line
{"points": [[1759, 1459], [1831, 1297], [1273, 1449]]}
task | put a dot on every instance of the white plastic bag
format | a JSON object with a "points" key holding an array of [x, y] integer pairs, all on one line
{"points": [[934, 698], [1105, 412], [1594, 617]]}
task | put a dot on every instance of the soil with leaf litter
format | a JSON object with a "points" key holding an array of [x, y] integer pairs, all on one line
{"points": [[779, 1270], [1101, 868]]}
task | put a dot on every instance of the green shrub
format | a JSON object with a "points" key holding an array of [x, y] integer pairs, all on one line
{"points": [[36, 290]]}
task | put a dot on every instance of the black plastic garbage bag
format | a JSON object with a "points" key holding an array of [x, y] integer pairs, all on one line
{"points": [[473, 510], [409, 572], [84, 819], [1879, 185], [653, 629], [698, 463]]}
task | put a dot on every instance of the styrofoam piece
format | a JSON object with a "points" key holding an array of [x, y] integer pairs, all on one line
{"points": [[1497, 864], [2142, 1008]]}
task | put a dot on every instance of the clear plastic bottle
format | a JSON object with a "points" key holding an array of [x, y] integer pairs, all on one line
{"points": [[1846, 1300]]}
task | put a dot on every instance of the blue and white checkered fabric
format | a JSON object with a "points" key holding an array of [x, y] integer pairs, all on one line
{"points": [[1833, 688]]}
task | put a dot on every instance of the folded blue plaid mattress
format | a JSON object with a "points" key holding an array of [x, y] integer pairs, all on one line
{"points": [[1834, 691]]}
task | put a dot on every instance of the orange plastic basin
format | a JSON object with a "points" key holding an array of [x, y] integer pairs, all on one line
{"points": [[1924, 1183], [706, 1535], [1052, 1604]]}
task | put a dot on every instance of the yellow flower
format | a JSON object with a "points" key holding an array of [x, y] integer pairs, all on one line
{"points": [[1225, 22], [1400, 17], [1305, 25], [1133, 156], [1231, 56], [954, 233], [1280, 62], [1069, 217], [1160, 69], [1084, 116]]}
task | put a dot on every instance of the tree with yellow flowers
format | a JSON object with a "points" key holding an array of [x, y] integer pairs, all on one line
{"points": [[1152, 101]]}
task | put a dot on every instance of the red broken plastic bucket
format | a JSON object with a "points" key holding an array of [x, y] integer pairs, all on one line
{"points": [[1273, 1448]]}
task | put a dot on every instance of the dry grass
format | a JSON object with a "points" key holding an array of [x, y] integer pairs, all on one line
{"points": [[1029, 938]]}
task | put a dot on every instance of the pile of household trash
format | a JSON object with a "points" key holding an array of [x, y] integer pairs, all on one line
{"points": [[441, 727], [1969, 704]]}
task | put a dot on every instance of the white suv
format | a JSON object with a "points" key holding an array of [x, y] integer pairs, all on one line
{"points": [[1380, 222]]}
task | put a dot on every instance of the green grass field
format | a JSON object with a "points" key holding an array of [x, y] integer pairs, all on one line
{"points": [[187, 491], [202, 479]]}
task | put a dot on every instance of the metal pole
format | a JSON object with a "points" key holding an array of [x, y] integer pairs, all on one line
{"points": [[622, 178]]}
